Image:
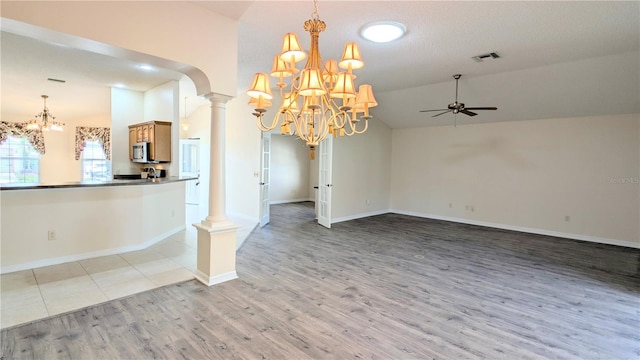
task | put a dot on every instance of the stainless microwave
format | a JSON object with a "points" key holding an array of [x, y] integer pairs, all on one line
{"points": [[140, 152]]}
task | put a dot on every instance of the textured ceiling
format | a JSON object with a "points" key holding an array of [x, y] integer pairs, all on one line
{"points": [[442, 36], [536, 40]]}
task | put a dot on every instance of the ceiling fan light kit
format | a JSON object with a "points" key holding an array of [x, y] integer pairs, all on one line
{"points": [[459, 107]]}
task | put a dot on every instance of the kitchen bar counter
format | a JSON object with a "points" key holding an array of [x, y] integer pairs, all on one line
{"points": [[81, 184], [54, 224]]}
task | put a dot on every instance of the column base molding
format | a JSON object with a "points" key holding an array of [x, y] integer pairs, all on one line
{"points": [[216, 226], [216, 252], [213, 280]]}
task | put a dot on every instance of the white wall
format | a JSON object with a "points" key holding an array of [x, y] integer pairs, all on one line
{"points": [[289, 170], [361, 166], [130, 107], [83, 219], [528, 175], [361, 173], [127, 108], [59, 164], [199, 128], [242, 156], [242, 159], [162, 104]]}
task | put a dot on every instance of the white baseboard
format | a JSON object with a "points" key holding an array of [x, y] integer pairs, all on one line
{"points": [[276, 202], [360, 216], [213, 280], [89, 255], [523, 229], [243, 217]]}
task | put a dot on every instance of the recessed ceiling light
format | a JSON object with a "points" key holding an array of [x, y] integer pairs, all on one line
{"points": [[120, 85], [145, 67], [383, 31]]}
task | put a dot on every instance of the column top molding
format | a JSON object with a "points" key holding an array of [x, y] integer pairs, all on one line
{"points": [[218, 98]]}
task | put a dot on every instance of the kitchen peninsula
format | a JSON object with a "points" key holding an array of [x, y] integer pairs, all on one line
{"points": [[47, 224], [76, 184]]}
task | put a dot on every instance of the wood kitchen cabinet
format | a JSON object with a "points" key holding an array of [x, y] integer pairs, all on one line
{"points": [[132, 140], [145, 133], [138, 133], [157, 134]]}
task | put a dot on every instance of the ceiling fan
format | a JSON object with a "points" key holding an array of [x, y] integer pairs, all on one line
{"points": [[457, 107]]}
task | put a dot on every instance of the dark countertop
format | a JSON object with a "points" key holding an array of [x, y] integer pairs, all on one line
{"points": [[80, 184]]}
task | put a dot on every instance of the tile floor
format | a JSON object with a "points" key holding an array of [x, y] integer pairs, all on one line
{"points": [[34, 294]]}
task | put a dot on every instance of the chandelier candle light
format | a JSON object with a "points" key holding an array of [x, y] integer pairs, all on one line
{"points": [[45, 121], [310, 103]]}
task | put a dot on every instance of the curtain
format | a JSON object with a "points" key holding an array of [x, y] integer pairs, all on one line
{"points": [[102, 134], [20, 130]]}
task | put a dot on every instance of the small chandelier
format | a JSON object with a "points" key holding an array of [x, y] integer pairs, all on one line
{"points": [[45, 121], [329, 102]]}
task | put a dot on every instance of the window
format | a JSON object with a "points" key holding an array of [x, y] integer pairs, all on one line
{"points": [[95, 166], [19, 161]]}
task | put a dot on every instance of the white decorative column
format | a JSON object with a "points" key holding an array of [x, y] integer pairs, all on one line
{"points": [[216, 233]]}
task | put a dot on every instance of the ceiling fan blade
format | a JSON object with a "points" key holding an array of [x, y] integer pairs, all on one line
{"points": [[442, 113], [482, 108], [466, 111], [433, 110]]}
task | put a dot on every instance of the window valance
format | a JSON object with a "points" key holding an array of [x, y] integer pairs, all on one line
{"points": [[102, 134], [20, 130]]}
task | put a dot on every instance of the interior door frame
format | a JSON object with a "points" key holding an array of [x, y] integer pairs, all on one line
{"points": [[265, 177], [195, 183], [325, 182]]}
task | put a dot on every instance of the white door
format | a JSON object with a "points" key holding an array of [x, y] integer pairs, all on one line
{"points": [[190, 167], [265, 162], [324, 182]]}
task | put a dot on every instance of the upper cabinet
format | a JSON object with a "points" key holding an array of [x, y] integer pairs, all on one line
{"points": [[157, 134]]}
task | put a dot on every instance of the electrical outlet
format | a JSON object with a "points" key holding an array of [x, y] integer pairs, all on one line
{"points": [[51, 235], [472, 208], [567, 218], [368, 202]]}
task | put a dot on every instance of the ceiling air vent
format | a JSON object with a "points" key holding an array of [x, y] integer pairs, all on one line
{"points": [[57, 80], [491, 55]]}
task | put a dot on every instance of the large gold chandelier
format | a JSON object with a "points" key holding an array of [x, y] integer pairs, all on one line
{"points": [[318, 88]]}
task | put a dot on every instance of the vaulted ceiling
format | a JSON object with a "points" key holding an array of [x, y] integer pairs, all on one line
{"points": [[545, 48]]}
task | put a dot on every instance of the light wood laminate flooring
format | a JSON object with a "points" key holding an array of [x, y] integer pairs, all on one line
{"points": [[383, 287]]}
